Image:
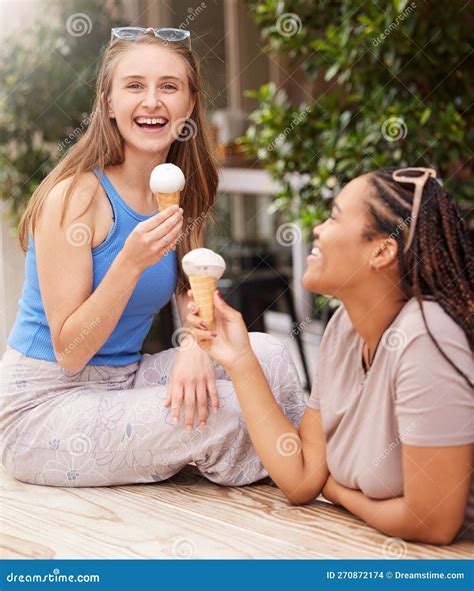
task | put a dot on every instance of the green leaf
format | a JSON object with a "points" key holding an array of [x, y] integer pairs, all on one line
{"points": [[331, 71], [425, 116]]}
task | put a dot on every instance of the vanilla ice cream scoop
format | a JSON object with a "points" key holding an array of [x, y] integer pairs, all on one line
{"points": [[167, 178], [203, 262]]}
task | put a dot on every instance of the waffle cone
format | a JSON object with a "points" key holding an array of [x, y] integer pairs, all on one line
{"points": [[167, 199], [203, 288]]}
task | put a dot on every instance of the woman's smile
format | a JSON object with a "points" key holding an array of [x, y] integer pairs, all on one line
{"points": [[315, 254], [154, 129]]}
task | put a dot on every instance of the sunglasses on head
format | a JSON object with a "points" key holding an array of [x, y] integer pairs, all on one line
{"points": [[417, 177], [165, 34]]}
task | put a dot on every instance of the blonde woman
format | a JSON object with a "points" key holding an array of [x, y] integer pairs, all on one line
{"points": [[80, 405], [388, 431]]}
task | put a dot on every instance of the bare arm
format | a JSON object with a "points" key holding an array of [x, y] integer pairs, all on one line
{"points": [[435, 495], [87, 328], [295, 459], [81, 320], [300, 474]]}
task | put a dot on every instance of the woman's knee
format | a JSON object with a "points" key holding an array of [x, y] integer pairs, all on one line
{"points": [[273, 356], [265, 345], [52, 473], [52, 467], [263, 338], [154, 370], [280, 371], [19, 468]]}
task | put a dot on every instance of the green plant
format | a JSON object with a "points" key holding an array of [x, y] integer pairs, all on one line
{"points": [[47, 86], [388, 84]]}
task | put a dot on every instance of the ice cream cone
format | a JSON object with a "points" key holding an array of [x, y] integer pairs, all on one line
{"points": [[166, 182], [203, 287], [167, 199], [204, 268]]}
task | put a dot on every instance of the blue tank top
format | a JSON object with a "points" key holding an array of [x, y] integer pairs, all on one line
{"points": [[31, 335]]}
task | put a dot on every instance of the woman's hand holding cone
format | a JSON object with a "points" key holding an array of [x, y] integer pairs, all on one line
{"points": [[152, 239], [228, 340]]}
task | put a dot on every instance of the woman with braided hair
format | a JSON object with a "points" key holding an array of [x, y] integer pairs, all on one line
{"points": [[388, 431]]}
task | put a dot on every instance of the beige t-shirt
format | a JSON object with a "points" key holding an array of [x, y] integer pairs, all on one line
{"points": [[409, 395]]}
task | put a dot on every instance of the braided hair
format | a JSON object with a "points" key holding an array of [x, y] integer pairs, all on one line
{"points": [[438, 264]]}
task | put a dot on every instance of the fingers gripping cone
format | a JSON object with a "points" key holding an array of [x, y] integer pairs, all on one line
{"points": [[204, 267], [167, 181], [203, 289]]}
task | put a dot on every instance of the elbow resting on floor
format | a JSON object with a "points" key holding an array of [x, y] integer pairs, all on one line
{"points": [[439, 530], [300, 498], [438, 535]]}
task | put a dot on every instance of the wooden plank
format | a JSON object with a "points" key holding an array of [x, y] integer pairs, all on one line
{"points": [[187, 516], [316, 528], [50, 522]]}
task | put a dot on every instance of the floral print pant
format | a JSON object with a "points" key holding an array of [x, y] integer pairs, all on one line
{"points": [[107, 425]]}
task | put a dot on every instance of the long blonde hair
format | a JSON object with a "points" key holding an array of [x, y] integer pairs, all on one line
{"points": [[102, 145]]}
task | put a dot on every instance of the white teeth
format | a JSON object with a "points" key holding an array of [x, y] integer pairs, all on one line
{"points": [[316, 252], [160, 120]]}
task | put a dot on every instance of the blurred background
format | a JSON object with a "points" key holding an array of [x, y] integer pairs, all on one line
{"points": [[302, 97]]}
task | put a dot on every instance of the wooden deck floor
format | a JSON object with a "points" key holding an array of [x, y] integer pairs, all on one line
{"points": [[187, 517]]}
